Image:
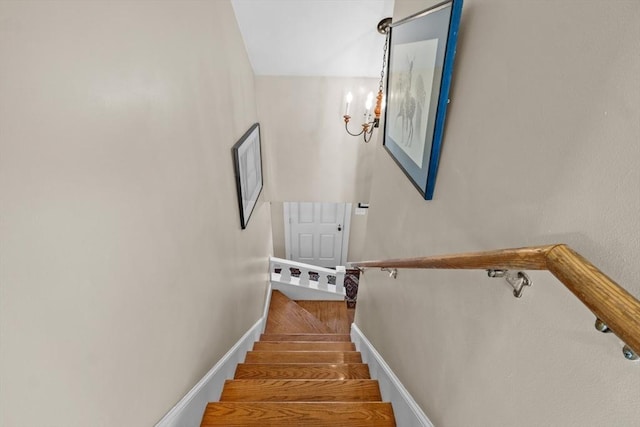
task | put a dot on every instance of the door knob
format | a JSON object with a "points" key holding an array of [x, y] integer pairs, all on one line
{"points": [[339, 227]]}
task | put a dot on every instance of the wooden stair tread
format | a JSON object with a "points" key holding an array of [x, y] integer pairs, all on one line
{"points": [[333, 314], [301, 390], [304, 371], [304, 337], [370, 414], [338, 371], [303, 346], [303, 357], [285, 316]]}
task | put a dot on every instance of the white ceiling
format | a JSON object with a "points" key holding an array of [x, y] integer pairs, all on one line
{"points": [[313, 37]]}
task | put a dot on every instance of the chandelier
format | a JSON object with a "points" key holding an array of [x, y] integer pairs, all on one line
{"points": [[371, 122]]}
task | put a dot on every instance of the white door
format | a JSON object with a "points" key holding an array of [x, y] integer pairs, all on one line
{"points": [[317, 233]]}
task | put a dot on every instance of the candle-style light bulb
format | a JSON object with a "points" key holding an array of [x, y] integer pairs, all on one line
{"points": [[349, 99], [368, 106], [369, 102]]}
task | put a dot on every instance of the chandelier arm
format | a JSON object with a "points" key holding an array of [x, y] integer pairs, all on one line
{"points": [[368, 132], [346, 127], [369, 138]]}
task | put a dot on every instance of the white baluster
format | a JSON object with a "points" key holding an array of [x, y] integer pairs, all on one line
{"points": [[304, 277], [285, 274], [340, 273], [323, 281]]}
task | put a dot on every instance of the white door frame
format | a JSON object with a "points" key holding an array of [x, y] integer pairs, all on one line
{"points": [[345, 235]]}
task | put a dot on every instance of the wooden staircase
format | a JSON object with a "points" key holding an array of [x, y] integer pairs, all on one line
{"points": [[304, 371]]}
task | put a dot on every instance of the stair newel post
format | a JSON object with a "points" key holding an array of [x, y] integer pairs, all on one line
{"points": [[272, 268], [285, 274], [323, 281], [340, 273], [304, 277]]}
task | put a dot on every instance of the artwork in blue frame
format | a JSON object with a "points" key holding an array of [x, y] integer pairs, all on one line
{"points": [[420, 65]]}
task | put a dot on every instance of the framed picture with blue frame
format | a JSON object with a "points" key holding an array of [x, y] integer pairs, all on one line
{"points": [[420, 66]]}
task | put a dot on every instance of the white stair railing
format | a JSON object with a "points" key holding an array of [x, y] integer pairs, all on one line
{"points": [[311, 276]]}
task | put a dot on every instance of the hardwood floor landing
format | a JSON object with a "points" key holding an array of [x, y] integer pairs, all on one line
{"points": [[351, 314], [285, 316], [332, 314]]}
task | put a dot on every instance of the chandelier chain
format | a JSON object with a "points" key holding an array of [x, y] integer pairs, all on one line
{"points": [[384, 57]]}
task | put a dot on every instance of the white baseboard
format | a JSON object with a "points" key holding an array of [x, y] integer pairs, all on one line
{"points": [[188, 411], [267, 303], [406, 410]]}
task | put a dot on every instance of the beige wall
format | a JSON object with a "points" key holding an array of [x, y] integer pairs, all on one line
{"points": [[542, 145], [357, 235], [121, 243], [277, 229], [309, 156]]}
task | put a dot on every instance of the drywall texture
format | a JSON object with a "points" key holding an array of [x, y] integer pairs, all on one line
{"points": [[541, 146], [277, 229], [357, 235], [121, 247], [309, 156]]}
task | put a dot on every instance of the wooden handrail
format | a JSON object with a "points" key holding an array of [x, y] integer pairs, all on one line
{"points": [[611, 303]]}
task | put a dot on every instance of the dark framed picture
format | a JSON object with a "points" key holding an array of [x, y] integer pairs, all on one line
{"points": [[247, 157], [420, 65]]}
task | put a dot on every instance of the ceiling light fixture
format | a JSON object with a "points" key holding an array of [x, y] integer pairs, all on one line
{"points": [[369, 124]]}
